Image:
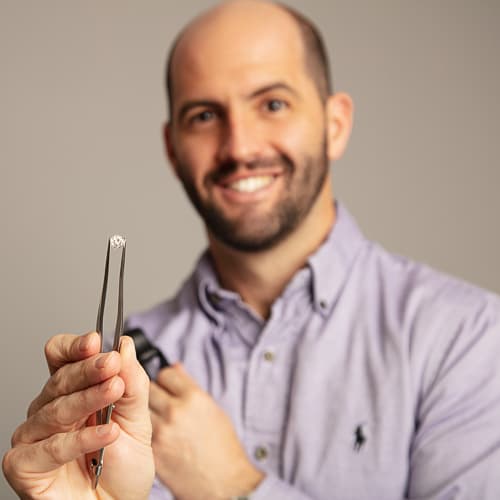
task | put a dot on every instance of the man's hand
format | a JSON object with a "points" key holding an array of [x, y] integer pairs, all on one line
{"points": [[197, 453], [51, 451]]}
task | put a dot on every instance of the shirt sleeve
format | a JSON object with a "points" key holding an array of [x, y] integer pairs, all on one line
{"points": [[159, 491], [455, 453]]}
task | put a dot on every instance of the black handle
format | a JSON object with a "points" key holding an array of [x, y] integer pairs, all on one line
{"points": [[146, 351]]}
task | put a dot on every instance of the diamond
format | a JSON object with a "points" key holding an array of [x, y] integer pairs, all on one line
{"points": [[117, 241]]}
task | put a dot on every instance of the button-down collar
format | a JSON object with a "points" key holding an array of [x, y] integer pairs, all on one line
{"points": [[332, 262], [324, 275]]}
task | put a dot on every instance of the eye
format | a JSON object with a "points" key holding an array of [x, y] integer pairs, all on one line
{"points": [[203, 117], [275, 105]]}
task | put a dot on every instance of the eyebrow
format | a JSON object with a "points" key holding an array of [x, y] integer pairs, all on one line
{"points": [[189, 105], [274, 86]]}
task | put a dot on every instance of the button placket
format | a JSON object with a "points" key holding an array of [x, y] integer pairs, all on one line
{"points": [[262, 370], [268, 384]]}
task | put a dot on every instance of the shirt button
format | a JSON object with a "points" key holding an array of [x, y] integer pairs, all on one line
{"points": [[323, 304], [260, 453], [269, 356], [214, 298]]}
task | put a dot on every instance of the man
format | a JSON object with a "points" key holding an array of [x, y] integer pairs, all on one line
{"points": [[311, 363]]}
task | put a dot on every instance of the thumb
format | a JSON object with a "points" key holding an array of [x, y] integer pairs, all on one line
{"points": [[131, 410]]}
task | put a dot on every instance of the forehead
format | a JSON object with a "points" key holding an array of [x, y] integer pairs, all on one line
{"points": [[234, 53]]}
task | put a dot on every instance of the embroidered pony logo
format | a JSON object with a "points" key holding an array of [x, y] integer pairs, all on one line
{"points": [[359, 437]]}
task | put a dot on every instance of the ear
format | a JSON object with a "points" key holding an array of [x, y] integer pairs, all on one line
{"points": [[339, 115], [169, 148]]}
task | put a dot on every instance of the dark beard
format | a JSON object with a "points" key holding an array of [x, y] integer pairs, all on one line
{"points": [[290, 211]]}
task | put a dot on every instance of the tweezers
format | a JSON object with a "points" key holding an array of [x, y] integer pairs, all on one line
{"points": [[104, 416]]}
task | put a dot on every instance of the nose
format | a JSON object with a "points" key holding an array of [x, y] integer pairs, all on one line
{"points": [[241, 140]]}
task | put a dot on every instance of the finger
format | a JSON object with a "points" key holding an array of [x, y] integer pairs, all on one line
{"points": [[57, 450], [176, 380], [131, 410], [135, 398], [159, 400], [162, 438], [77, 376], [68, 348], [67, 413], [157, 423]]}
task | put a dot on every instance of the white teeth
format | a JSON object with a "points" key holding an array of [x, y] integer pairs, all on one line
{"points": [[251, 184]]}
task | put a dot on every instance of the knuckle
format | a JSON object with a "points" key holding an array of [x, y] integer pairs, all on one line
{"points": [[59, 383], [160, 377], [164, 375], [86, 370], [33, 407], [8, 462], [58, 350], [51, 345], [83, 399], [79, 441], [54, 447], [60, 413], [16, 437]]}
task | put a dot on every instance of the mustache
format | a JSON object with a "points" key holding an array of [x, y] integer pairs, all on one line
{"points": [[228, 167]]}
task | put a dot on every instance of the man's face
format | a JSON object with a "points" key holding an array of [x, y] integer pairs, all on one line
{"points": [[247, 133]]}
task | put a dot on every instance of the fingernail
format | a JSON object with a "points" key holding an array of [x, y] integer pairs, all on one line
{"points": [[129, 346], [84, 342], [107, 385], [101, 361], [103, 430]]}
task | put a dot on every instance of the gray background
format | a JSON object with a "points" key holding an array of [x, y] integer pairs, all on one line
{"points": [[81, 110]]}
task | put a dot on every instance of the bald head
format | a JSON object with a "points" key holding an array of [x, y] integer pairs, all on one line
{"points": [[253, 19]]}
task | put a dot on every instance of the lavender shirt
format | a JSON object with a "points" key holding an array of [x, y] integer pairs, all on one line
{"points": [[374, 378]]}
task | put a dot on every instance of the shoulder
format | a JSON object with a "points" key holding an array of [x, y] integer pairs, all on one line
{"points": [[420, 291], [449, 328]]}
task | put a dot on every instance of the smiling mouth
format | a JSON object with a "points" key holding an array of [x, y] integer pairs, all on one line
{"points": [[250, 184]]}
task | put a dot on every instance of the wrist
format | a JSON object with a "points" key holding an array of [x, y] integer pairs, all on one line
{"points": [[248, 484]]}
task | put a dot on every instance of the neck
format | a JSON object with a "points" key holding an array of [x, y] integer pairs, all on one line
{"points": [[260, 277]]}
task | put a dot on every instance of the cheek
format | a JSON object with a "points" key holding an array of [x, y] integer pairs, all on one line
{"points": [[301, 138], [196, 156]]}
